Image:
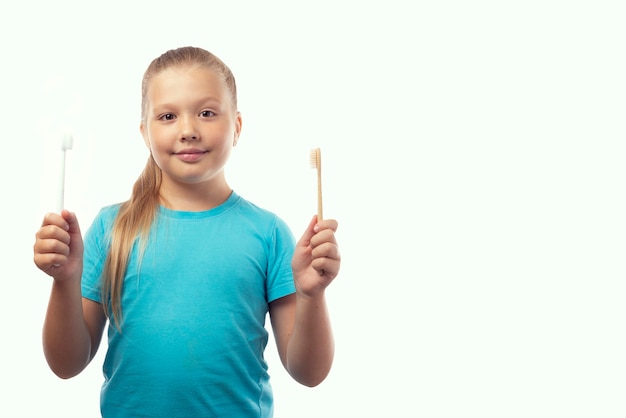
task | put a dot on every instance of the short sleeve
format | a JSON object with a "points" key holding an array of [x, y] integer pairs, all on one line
{"points": [[280, 275], [96, 248]]}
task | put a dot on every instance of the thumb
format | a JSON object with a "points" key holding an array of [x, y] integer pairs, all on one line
{"points": [[76, 238], [305, 240]]}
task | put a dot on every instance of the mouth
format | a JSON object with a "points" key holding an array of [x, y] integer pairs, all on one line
{"points": [[191, 154]]}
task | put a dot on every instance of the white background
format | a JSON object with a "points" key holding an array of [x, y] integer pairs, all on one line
{"points": [[473, 154]]}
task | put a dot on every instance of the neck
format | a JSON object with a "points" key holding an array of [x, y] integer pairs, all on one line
{"points": [[193, 197]]}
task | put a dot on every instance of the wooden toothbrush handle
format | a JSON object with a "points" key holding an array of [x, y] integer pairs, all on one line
{"points": [[319, 187]]}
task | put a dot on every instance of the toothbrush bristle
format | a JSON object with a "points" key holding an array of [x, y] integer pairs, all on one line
{"points": [[315, 158], [68, 142]]}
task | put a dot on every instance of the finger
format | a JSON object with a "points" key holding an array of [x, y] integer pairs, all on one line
{"points": [[71, 221], [305, 240], [326, 250], [326, 236], [49, 262], [52, 232], [52, 243], [52, 246], [325, 232], [330, 224], [326, 267], [50, 253], [55, 219]]}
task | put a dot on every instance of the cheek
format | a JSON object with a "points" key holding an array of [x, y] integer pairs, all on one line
{"points": [[157, 139]]}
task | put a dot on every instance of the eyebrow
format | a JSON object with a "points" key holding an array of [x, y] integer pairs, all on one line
{"points": [[201, 102]]}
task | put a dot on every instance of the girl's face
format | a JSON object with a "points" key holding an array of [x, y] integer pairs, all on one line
{"points": [[190, 125]]}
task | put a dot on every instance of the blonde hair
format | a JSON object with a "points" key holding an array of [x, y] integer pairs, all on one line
{"points": [[136, 216]]}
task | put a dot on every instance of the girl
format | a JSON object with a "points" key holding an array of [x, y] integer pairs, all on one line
{"points": [[185, 271]]}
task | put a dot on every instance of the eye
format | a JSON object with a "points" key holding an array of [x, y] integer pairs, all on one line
{"points": [[207, 113], [167, 116]]}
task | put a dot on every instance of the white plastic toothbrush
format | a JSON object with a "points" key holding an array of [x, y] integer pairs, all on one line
{"points": [[68, 142]]}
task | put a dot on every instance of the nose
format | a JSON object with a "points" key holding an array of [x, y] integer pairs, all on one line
{"points": [[188, 129]]}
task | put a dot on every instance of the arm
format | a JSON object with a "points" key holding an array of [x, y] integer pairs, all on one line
{"points": [[300, 321], [73, 326]]}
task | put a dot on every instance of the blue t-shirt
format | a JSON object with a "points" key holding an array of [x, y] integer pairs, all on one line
{"points": [[193, 312]]}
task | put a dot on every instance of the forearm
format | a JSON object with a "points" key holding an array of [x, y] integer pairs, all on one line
{"points": [[311, 347], [66, 338]]}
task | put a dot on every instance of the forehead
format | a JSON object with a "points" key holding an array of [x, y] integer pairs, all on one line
{"points": [[185, 81]]}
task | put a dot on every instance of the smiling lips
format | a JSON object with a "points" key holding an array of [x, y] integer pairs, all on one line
{"points": [[190, 155]]}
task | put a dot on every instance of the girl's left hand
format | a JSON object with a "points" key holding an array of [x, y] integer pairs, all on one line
{"points": [[316, 258]]}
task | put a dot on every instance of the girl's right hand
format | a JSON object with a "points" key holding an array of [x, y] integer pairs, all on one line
{"points": [[59, 246]]}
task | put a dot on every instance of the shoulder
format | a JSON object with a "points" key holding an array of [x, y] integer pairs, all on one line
{"points": [[108, 213], [258, 213], [261, 217], [104, 218]]}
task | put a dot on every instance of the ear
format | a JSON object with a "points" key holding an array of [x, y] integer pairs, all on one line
{"points": [[144, 133], [238, 123]]}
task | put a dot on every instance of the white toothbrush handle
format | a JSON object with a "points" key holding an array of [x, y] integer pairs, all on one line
{"points": [[61, 191]]}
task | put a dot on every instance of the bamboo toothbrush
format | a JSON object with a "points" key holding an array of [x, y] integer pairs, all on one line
{"points": [[67, 143], [316, 162]]}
